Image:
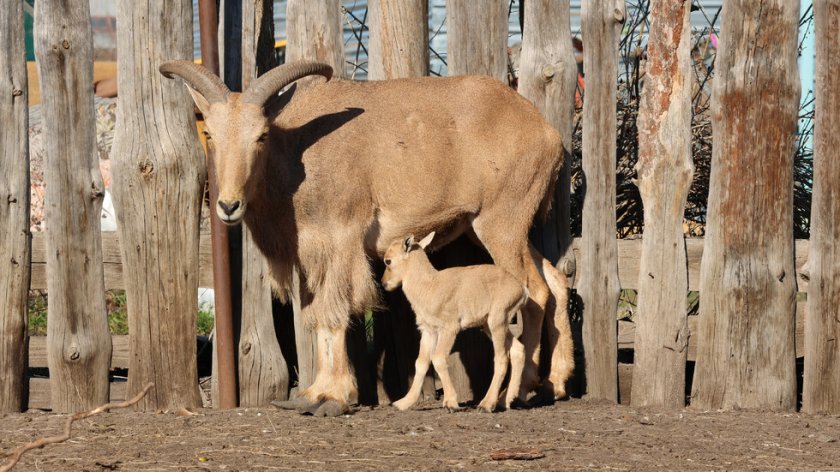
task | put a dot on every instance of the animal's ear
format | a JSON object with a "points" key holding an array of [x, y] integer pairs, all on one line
{"points": [[201, 102], [409, 241], [427, 240]]}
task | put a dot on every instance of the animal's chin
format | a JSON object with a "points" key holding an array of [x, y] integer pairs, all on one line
{"points": [[231, 220], [390, 287]]}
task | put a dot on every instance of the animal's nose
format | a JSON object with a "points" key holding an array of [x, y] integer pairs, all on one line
{"points": [[228, 207]]}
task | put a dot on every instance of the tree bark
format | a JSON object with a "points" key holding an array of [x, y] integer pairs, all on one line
{"points": [[263, 373], [821, 389], [399, 39], [313, 29], [745, 355], [599, 287], [77, 328], [664, 171], [15, 240], [477, 44], [159, 175], [477, 38], [548, 77]]}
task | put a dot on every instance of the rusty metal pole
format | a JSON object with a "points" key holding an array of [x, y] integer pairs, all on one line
{"points": [[208, 28]]}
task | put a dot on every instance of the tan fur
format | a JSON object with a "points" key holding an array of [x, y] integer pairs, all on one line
{"points": [[336, 174], [449, 301]]}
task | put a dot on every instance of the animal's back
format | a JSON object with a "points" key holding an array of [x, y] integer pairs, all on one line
{"points": [[405, 146]]}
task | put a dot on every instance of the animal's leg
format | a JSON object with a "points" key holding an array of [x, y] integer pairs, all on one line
{"points": [[440, 358], [517, 364], [559, 329], [502, 340], [516, 259], [428, 340], [334, 387]]}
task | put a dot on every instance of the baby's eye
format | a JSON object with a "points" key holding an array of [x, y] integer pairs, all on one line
{"points": [[387, 262]]}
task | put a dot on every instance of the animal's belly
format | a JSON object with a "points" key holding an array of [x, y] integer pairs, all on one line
{"points": [[387, 227]]}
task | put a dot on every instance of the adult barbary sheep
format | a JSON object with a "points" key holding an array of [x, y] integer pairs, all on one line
{"points": [[449, 301], [328, 176]]}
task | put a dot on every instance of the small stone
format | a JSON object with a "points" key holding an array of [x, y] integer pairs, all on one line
{"points": [[824, 438], [646, 421]]}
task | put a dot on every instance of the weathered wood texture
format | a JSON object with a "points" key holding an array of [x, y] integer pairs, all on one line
{"points": [[477, 37], [599, 286], [38, 352], [263, 373], [159, 176], [745, 358], [548, 77], [477, 44], [399, 38], [664, 172], [14, 208], [40, 391], [77, 331], [821, 389], [313, 29]]}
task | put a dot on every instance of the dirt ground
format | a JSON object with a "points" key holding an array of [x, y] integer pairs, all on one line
{"points": [[573, 435]]}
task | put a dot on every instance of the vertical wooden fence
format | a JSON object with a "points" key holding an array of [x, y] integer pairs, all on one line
{"points": [[745, 349]]}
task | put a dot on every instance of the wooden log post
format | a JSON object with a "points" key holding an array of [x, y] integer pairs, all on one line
{"points": [[548, 77], [15, 239], [313, 32], [664, 171], [598, 286], [477, 44], [159, 176], [821, 389], [77, 327], [263, 373], [745, 354], [399, 39]]}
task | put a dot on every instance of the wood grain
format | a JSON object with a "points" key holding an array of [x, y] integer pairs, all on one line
{"points": [[745, 356], [821, 389], [77, 331], [14, 208], [159, 176]]}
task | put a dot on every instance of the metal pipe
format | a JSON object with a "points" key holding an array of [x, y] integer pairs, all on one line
{"points": [[226, 369]]}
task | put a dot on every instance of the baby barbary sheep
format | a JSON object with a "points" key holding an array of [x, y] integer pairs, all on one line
{"points": [[448, 301]]}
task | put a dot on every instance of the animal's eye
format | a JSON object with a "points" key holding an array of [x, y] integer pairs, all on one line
{"points": [[263, 138], [387, 262]]}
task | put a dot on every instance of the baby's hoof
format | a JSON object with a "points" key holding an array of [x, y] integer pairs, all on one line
{"points": [[401, 405], [331, 409], [298, 404], [482, 408], [454, 409], [542, 398]]}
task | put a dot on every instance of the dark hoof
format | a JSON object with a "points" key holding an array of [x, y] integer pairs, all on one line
{"points": [[331, 409], [295, 404], [542, 398], [517, 404], [456, 409]]}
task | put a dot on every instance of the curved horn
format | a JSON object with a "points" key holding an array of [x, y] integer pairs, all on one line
{"points": [[274, 80], [198, 77]]}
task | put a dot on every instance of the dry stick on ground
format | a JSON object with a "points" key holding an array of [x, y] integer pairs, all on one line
{"points": [[41, 442]]}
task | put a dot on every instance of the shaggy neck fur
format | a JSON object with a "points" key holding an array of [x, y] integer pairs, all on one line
{"points": [[271, 216]]}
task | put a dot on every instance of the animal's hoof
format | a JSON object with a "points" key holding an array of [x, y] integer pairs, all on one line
{"points": [[454, 409], [542, 398], [402, 406], [294, 404], [484, 409], [517, 404], [331, 409]]}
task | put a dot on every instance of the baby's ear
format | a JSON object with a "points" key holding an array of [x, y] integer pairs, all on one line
{"points": [[427, 240], [409, 241]]}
